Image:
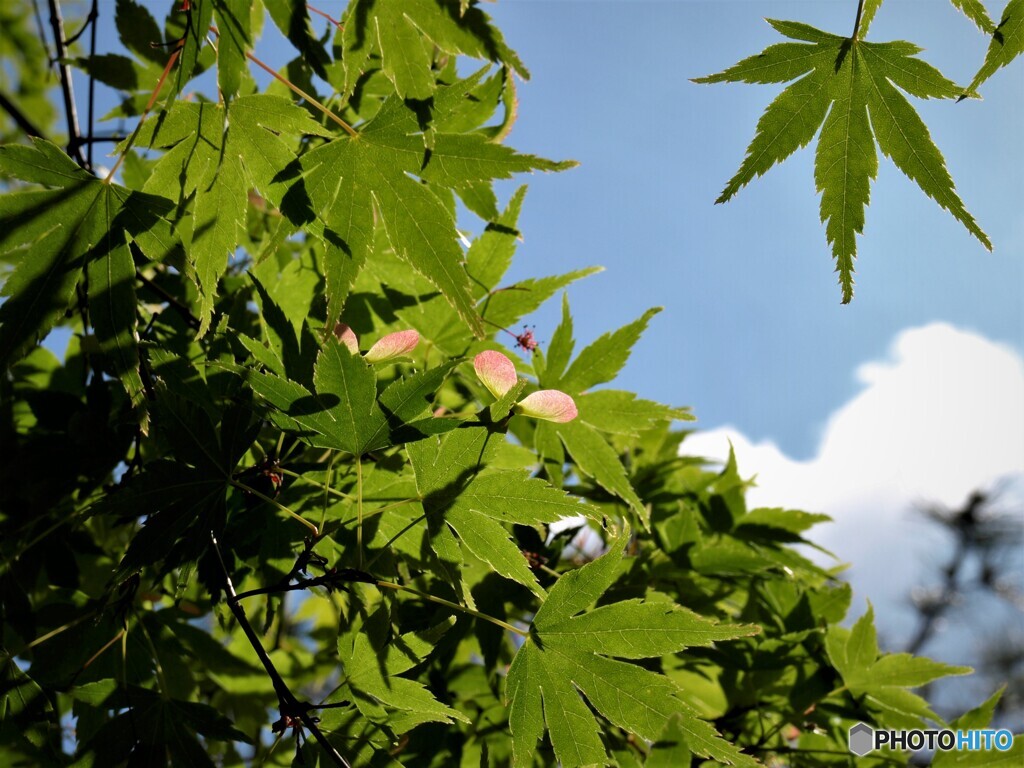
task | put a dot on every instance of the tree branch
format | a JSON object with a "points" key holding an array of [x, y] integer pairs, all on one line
{"points": [[332, 579], [94, 15], [19, 117], [66, 86], [289, 706]]}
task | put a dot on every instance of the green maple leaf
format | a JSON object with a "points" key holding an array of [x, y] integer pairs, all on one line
{"points": [[475, 506], [220, 154], [78, 226], [980, 718], [883, 680], [599, 363], [182, 499], [1006, 45], [487, 260], [571, 654], [853, 91], [342, 413], [351, 178], [623, 413], [233, 20], [975, 11], [373, 672], [404, 33]]}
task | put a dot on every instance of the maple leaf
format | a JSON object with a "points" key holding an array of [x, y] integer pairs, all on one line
{"points": [[403, 34], [476, 506], [571, 654], [342, 413], [218, 154], [1006, 45], [882, 681], [975, 11], [185, 495], [389, 169], [79, 226], [598, 363], [372, 675], [976, 719], [853, 91]]}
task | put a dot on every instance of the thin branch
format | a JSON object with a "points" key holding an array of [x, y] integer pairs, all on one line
{"points": [[455, 606], [54, 632], [243, 487], [96, 655], [332, 579], [103, 139], [327, 16], [145, 113], [40, 28], [19, 117], [289, 706], [298, 91], [94, 15], [66, 86]]}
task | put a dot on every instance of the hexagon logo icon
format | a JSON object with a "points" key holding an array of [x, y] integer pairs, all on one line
{"points": [[862, 739]]}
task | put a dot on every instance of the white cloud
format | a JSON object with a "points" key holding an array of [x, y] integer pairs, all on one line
{"points": [[942, 416]]}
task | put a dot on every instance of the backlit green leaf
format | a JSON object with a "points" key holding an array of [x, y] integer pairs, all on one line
{"points": [[841, 81], [601, 361], [597, 459], [1006, 45], [552, 669]]}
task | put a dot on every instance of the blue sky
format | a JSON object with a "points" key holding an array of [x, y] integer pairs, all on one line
{"points": [[752, 333]]}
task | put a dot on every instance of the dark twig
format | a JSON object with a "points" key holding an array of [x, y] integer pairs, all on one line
{"points": [[19, 117], [74, 139], [94, 15], [66, 86], [39, 27], [290, 707], [102, 139], [333, 579], [978, 533]]}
